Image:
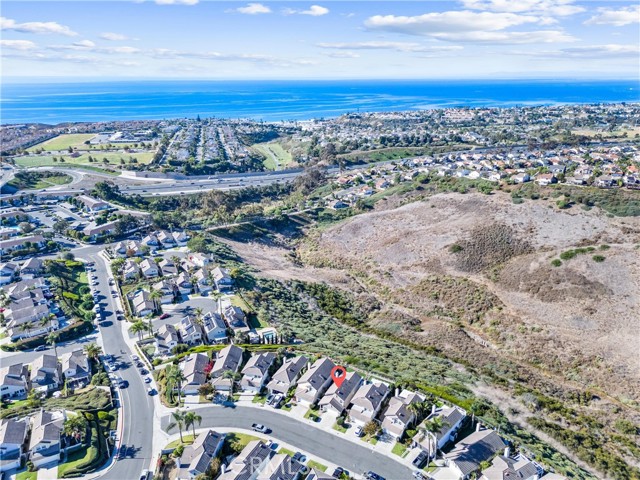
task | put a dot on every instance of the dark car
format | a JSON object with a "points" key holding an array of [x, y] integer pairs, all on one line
{"points": [[339, 472], [40, 348], [373, 476], [164, 315], [420, 460]]}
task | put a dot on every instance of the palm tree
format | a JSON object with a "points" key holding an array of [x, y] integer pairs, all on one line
{"points": [[175, 259], [178, 421], [190, 420], [174, 377], [92, 350], [138, 327], [431, 429], [198, 312], [51, 339], [149, 325], [155, 295]]}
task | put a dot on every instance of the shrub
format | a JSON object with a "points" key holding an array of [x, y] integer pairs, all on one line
{"points": [[598, 258], [568, 255], [455, 248], [556, 262]]}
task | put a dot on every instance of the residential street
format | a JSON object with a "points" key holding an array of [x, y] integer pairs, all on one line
{"points": [[323, 444]]}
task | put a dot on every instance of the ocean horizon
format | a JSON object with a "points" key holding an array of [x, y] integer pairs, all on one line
{"points": [[54, 103]]}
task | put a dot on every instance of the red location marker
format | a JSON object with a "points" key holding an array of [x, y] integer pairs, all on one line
{"points": [[338, 374]]}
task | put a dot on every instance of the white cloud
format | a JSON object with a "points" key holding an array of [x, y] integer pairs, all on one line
{"points": [[114, 37], [36, 27], [176, 2], [313, 10], [341, 54], [125, 50], [398, 46], [253, 9], [559, 8], [18, 44], [468, 26], [617, 18], [84, 44], [589, 52]]}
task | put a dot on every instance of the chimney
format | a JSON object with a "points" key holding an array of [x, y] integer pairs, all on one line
{"points": [[397, 392], [433, 409], [478, 425], [507, 451]]}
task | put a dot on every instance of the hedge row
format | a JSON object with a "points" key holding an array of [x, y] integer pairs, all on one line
{"points": [[70, 332]]}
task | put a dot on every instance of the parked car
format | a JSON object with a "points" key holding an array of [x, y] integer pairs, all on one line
{"points": [[419, 475], [359, 431], [147, 379], [111, 367], [372, 476], [299, 457], [164, 315], [420, 460], [339, 472], [144, 475], [40, 348], [151, 391], [259, 428], [122, 383]]}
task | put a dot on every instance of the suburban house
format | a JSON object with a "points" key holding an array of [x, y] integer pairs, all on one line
{"points": [[142, 303], [149, 268], [202, 282], [193, 369], [465, 458], [151, 241], [180, 238], [367, 402], [17, 243], [546, 179], [338, 398], [398, 416], [319, 475], [214, 327], [13, 434], [8, 272], [169, 269], [314, 382], [183, 282], [14, 380], [197, 457], [505, 467], [228, 360], [32, 268], [222, 279], [256, 372], [45, 373], [452, 418], [280, 467], [94, 231], [166, 338], [251, 460], [44, 446], [130, 270], [167, 289], [235, 317], [521, 178], [165, 238], [76, 369], [200, 259], [91, 204], [190, 331], [287, 374]]}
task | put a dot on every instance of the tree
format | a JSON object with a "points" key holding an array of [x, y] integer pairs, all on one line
{"points": [[51, 339], [371, 428], [431, 429], [174, 378], [34, 400], [190, 420], [206, 389], [61, 226], [75, 426], [138, 327], [178, 421], [198, 312], [92, 350], [25, 227]]}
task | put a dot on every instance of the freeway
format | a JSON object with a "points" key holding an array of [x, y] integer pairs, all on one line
{"points": [[137, 406], [355, 458]]}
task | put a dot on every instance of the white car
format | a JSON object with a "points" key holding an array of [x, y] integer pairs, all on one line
{"points": [[147, 380], [111, 367]]}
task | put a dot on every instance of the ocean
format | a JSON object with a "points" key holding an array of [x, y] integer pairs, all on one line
{"points": [[285, 100]]}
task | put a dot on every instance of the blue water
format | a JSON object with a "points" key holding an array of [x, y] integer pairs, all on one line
{"points": [[284, 100]]}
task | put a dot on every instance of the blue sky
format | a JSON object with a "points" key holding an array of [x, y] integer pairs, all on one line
{"points": [[465, 39]]}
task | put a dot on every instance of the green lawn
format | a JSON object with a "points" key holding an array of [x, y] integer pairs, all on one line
{"points": [[79, 457], [259, 399], [37, 183], [311, 415], [238, 441], [317, 466], [63, 142], [187, 440], [339, 428], [276, 156], [27, 475], [286, 451], [112, 157], [399, 449]]}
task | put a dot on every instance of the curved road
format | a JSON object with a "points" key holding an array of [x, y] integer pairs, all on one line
{"points": [[355, 458]]}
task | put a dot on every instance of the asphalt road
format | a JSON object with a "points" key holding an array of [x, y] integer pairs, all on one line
{"points": [[138, 407], [345, 453]]}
